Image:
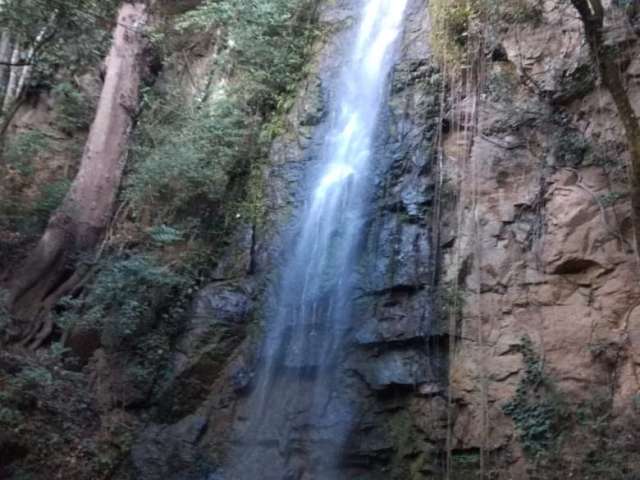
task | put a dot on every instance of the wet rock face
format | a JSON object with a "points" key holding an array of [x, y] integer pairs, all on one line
{"points": [[396, 316], [170, 452], [218, 323], [398, 352]]}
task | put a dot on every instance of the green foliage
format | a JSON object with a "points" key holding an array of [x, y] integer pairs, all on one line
{"points": [[64, 34], [451, 21], [32, 377], [10, 417], [23, 148], [73, 109], [572, 147], [199, 159], [165, 235], [266, 43], [184, 154], [465, 464], [536, 408], [57, 351], [611, 198], [519, 11], [502, 84], [631, 7], [147, 285], [22, 475], [31, 218], [252, 208], [466, 458], [595, 414], [20, 391], [50, 199]]}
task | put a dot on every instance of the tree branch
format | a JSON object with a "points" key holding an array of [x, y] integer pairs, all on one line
{"points": [[16, 64]]}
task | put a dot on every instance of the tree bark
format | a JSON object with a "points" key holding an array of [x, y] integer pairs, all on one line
{"points": [[5, 58], [55, 267], [592, 16], [13, 78]]}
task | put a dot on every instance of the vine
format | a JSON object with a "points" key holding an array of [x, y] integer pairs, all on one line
{"points": [[536, 409]]}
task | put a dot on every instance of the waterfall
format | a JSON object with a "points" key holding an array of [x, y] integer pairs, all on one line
{"points": [[292, 408]]}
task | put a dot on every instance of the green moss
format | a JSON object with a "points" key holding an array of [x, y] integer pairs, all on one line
{"points": [[572, 148], [414, 457]]}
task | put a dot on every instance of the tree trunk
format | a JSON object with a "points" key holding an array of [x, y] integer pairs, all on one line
{"points": [[13, 78], [55, 266], [592, 15], [5, 58]]}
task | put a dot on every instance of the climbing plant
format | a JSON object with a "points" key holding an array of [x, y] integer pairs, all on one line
{"points": [[456, 22], [536, 408]]}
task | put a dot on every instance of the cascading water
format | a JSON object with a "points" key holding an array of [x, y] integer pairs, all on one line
{"points": [[292, 409]]}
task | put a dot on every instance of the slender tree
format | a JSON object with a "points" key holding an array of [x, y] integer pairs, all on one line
{"points": [[592, 14], [39, 36], [5, 61], [53, 268]]}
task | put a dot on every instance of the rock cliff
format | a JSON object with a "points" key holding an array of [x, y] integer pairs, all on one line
{"points": [[537, 241]]}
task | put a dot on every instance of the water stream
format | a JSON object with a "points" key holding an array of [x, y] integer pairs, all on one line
{"points": [[293, 409]]}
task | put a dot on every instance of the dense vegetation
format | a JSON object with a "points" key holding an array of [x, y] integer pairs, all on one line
{"points": [[193, 175], [194, 162], [193, 151]]}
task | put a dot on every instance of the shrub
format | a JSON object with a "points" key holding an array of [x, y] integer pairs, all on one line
{"points": [[190, 157], [572, 148], [165, 235], [267, 43], [610, 198], [23, 148], [32, 377], [73, 109], [126, 292], [10, 417], [50, 199], [451, 302], [185, 156]]}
